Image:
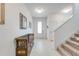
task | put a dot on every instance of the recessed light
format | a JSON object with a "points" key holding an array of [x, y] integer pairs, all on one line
{"points": [[39, 10]]}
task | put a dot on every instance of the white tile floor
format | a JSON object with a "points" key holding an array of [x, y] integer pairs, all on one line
{"points": [[44, 47]]}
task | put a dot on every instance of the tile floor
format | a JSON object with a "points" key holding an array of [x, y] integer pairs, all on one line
{"points": [[44, 47]]}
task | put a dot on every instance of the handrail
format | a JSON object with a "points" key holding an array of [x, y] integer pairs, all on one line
{"points": [[63, 24]]}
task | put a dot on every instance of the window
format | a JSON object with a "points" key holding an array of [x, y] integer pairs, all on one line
{"points": [[39, 27]]}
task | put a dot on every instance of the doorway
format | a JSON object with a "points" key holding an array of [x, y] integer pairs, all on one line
{"points": [[40, 27]]}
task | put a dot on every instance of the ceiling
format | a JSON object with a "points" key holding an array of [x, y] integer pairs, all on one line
{"points": [[49, 8]]}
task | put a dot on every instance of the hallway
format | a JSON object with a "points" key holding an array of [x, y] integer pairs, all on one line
{"points": [[46, 22], [44, 47]]}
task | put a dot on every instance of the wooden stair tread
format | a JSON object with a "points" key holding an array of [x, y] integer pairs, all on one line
{"points": [[63, 52], [76, 43], [73, 44], [75, 39], [72, 50], [77, 34]]}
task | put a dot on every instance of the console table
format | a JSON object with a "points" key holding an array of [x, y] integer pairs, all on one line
{"points": [[24, 44]]}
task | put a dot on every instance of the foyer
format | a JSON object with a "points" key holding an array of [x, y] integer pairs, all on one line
{"points": [[39, 29]]}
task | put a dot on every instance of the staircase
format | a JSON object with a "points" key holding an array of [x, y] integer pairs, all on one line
{"points": [[70, 47]]}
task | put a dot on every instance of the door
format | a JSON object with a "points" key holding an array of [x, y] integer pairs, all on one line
{"points": [[40, 28]]}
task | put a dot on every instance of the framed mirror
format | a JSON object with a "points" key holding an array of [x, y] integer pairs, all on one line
{"points": [[23, 21]]}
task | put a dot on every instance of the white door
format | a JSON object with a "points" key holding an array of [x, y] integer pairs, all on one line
{"points": [[40, 28]]}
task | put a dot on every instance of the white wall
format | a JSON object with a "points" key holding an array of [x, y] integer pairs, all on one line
{"points": [[54, 21], [10, 30], [49, 29], [69, 28]]}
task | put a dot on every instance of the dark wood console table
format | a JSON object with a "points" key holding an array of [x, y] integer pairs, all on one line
{"points": [[24, 45]]}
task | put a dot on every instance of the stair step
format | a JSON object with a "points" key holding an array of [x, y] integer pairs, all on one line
{"points": [[73, 44], [77, 43], [70, 49], [75, 39], [77, 34], [63, 52]]}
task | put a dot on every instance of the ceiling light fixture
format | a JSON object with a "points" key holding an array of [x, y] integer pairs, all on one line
{"points": [[39, 10], [67, 10]]}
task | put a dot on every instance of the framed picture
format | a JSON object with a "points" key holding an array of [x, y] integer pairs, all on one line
{"points": [[2, 13], [23, 21]]}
